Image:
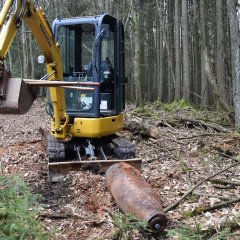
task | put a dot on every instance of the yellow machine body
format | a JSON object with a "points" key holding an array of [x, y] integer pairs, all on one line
{"points": [[96, 127]]}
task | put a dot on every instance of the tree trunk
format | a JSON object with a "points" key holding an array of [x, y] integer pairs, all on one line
{"points": [[9, 60], [228, 57], [213, 81], [24, 52], [150, 56], [159, 50], [197, 53], [31, 56], [170, 50], [185, 42], [177, 53], [204, 83], [235, 42], [220, 54], [136, 60]]}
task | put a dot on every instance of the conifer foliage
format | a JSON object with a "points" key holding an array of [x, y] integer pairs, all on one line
{"points": [[18, 211]]}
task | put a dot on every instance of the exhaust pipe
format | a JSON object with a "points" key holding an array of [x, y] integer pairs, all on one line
{"points": [[134, 195], [17, 97]]}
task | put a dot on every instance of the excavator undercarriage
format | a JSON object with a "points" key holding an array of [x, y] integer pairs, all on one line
{"points": [[97, 154]]}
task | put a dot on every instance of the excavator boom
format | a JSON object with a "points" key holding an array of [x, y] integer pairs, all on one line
{"points": [[15, 96]]}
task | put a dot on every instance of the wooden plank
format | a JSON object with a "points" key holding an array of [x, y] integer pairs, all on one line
{"points": [[77, 88], [54, 83]]}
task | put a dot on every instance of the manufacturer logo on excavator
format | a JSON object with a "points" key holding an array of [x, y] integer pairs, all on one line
{"points": [[45, 35]]}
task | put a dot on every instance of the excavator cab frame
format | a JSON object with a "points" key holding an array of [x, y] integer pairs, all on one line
{"points": [[104, 66]]}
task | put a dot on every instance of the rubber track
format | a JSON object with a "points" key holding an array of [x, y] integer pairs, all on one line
{"points": [[56, 150]]}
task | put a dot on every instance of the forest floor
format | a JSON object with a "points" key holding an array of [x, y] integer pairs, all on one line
{"points": [[179, 147]]}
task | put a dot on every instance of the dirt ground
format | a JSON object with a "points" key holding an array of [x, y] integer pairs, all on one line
{"points": [[178, 155]]}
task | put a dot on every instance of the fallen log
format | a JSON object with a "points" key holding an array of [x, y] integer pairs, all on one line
{"points": [[140, 128], [203, 123]]}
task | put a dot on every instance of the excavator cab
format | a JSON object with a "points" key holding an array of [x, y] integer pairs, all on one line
{"points": [[93, 55]]}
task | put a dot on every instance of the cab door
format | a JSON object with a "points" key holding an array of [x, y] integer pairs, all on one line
{"points": [[112, 69]]}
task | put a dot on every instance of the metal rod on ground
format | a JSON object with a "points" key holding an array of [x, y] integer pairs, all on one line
{"points": [[134, 195]]}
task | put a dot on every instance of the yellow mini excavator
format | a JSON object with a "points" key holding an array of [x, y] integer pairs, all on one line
{"points": [[86, 82]]}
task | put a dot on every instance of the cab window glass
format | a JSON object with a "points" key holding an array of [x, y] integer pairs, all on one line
{"points": [[77, 47]]}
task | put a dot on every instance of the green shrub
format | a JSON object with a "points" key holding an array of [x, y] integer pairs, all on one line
{"points": [[126, 224], [187, 233], [178, 105], [195, 233], [18, 211], [145, 111]]}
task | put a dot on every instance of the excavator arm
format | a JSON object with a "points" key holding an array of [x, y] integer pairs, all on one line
{"points": [[15, 12]]}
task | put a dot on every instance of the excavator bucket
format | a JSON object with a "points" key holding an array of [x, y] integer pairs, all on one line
{"points": [[15, 96]]}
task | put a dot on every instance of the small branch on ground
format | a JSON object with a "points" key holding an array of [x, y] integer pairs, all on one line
{"points": [[223, 182], [226, 155], [61, 216], [199, 135], [210, 195], [197, 185], [216, 206], [214, 126]]}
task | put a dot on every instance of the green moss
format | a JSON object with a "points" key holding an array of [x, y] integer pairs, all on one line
{"points": [[151, 110], [198, 210], [183, 165], [178, 105], [187, 214], [204, 150], [145, 111], [238, 157], [193, 198]]}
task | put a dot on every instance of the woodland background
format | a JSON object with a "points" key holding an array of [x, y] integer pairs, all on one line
{"points": [[175, 49]]}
